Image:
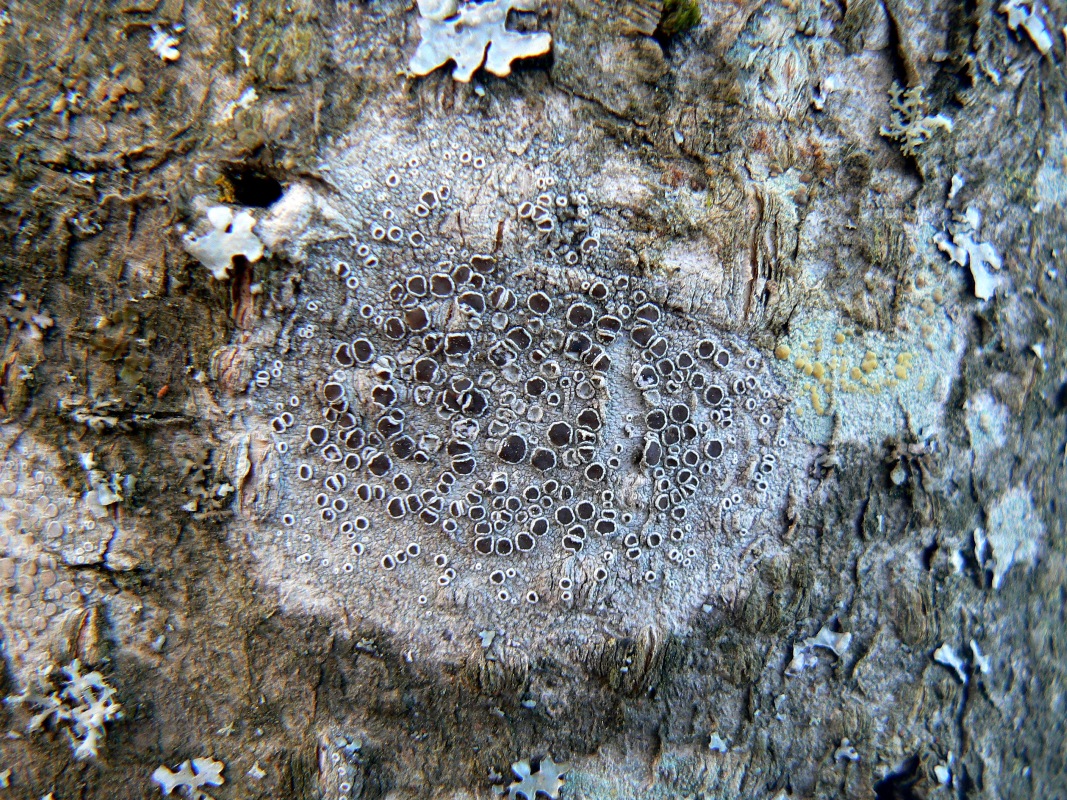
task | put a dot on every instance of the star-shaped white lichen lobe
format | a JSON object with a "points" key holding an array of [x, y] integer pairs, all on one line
{"points": [[465, 36]]}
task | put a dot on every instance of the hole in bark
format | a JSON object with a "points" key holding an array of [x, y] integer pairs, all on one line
{"points": [[253, 188], [899, 785]]}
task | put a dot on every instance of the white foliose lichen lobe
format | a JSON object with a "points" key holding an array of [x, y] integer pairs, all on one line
{"points": [[230, 236], [85, 703], [462, 33], [965, 250], [191, 777], [1025, 15], [547, 781], [479, 418]]}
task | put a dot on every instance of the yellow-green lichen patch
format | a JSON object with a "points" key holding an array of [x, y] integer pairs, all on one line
{"points": [[873, 381]]}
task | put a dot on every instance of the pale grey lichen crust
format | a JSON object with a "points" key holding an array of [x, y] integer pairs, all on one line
{"points": [[467, 438], [1015, 532]]}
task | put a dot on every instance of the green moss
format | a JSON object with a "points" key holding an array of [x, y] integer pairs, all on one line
{"points": [[678, 17]]}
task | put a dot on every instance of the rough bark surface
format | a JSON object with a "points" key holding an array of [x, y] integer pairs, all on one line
{"points": [[889, 620]]}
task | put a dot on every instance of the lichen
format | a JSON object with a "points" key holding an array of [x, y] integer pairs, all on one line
{"points": [[804, 655], [947, 656], [1024, 15], [209, 491], [85, 701], [21, 353], [963, 249], [164, 44], [1015, 532], [98, 413], [846, 752], [230, 236], [487, 438], [191, 777], [464, 36], [717, 744], [548, 780], [863, 385], [26, 317], [909, 123]]}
